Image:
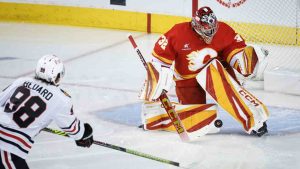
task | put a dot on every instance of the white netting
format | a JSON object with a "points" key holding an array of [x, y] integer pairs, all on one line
{"points": [[274, 24]]}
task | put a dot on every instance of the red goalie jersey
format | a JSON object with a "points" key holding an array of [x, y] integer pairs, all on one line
{"points": [[181, 40]]}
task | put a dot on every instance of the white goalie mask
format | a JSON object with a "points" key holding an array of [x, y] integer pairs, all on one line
{"points": [[51, 69], [205, 23]]}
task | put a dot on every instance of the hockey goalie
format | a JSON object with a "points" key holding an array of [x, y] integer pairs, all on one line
{"points": [[202, 56]]}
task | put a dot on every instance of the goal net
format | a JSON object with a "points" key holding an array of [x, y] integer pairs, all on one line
{"points": [[274, 24]]}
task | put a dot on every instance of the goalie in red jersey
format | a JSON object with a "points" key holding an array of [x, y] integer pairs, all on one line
{"points": [[204, 53]]}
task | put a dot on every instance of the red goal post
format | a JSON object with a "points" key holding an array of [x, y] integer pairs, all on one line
{"points": [[194, 7]]}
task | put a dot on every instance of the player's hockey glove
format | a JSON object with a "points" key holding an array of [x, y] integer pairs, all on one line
{"points": [[87, 138], [159, 79], [251, 62]]}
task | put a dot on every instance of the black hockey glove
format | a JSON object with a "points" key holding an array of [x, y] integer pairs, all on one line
{"points": [[87, 138]]}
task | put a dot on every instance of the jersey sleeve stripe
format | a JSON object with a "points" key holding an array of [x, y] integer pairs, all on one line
{"points": [[232, 53], [72, 129], [19, 136], [18, 132], [75, 128], [78, 129], [167, 61], [68, 128], [14, 144], [4, 134], [8, 160]]}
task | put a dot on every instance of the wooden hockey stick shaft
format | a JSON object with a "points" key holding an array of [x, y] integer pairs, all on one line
{"points": [[126, 150], [164, 99]]}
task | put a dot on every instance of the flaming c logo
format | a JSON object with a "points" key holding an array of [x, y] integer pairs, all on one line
{"points": [[231, 3]]}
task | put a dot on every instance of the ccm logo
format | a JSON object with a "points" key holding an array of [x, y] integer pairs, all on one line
{"points": [[249, 98], [171, 112]]}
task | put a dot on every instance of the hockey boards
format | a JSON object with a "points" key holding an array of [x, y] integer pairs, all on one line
{"points": [[232, 97], [164, 98]]}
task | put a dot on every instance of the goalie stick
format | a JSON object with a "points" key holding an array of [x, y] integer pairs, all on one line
{"points": [[164, 99], [126, 150]]}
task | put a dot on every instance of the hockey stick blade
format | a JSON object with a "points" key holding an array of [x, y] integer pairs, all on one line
{"points": [[111, 146], [164, 99]]}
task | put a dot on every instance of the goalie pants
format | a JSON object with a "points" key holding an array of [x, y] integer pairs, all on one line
{"points": [[190, 92], [11, 161]]}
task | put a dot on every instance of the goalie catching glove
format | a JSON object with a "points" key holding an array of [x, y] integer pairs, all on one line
{"points": [[250, 62], [159, 79], [87, 138]]}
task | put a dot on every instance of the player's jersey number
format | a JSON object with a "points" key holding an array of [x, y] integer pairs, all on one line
{"points": [[163, 42], [33, 107]]}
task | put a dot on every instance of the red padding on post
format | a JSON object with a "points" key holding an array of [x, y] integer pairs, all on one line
{"points": [[148, 22], [194, 7]]}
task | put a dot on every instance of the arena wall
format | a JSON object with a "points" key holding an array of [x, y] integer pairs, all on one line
{"points": [[250, 18]]}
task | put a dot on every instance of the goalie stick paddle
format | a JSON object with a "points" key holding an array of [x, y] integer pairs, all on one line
{"points": [[126, 150], [164, 99]]}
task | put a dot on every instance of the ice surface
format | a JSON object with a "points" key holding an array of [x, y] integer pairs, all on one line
{"points": [[104, 76]]}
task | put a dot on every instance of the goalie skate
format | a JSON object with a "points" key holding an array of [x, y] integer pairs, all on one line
{"points": [[261, 131]]}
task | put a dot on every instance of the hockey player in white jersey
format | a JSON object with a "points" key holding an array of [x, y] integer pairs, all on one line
{"points": [[28, 105]]}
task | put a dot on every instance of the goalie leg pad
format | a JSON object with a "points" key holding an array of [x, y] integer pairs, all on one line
{"points": [[198, 119], [233, 98]]}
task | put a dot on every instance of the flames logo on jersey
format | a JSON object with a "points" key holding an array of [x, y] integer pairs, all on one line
{"points": [[231, 3], [198, 59]]}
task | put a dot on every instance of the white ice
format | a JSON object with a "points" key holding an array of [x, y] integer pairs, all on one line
{"points": [[104, 76]]}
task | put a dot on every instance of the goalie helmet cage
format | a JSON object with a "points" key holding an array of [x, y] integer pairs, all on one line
{"points": [[273, 24]]}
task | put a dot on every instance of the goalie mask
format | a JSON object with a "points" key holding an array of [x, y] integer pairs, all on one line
{"points": [[50, 68], [205, 23]]}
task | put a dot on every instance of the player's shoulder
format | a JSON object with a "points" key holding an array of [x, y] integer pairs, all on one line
{"points": [[62, 95], [22, 80], [224, 27], [178, 28], [225, 32], [183, 24]]}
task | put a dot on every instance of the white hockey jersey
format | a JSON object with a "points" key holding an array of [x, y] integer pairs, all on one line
{"points": [[26, 107]]}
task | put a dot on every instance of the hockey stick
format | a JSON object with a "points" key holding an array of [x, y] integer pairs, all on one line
{"points": [[126, 150], [164, 99]]}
